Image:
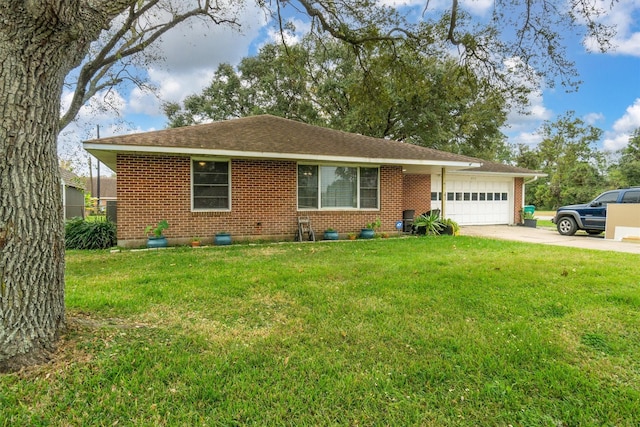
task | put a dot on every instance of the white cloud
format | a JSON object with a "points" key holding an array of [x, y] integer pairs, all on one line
{"points": [[290, 38], [144, 102], [522, 126], [630, 120], [616, 141], [624, 16], [593, 118], [200, 44], [478, 7], [475, 7], [629, 45], [622, 129], [191, 53], [531, 118], [526, 138], [171, 87], [104, 105]]}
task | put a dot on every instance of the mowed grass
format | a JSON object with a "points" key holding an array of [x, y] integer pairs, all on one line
{"points": [[432, 331]]}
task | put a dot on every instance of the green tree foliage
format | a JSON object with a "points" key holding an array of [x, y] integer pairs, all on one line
{"points": [[628, 167], [385, 90], [569, 156]]}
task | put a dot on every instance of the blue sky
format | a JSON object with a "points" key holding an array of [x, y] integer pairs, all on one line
{"points": [[608, 98]]}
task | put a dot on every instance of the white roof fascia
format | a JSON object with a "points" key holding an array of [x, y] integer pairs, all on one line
{"points": [[506, 174], [270, 155]]}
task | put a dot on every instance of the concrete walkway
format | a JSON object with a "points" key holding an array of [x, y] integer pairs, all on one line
{"points": [[546, 236]]}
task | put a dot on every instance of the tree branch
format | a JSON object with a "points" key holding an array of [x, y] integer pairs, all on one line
{"points": [[129, 39]]}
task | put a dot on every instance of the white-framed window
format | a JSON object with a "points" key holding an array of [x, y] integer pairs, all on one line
{"points": [[210, 185], [338, 187]]}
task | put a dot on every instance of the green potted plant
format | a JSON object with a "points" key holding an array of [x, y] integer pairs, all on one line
{"points": [[352, 236], [450, 227], [195, 242], [330, 234], [428, 224], [369, 230], [222, 238], [155, 236]]}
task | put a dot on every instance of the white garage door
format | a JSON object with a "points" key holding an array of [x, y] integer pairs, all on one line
{"points": [[475, 200]]}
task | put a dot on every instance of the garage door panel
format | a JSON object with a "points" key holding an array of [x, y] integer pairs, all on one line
{"points": [[476, 201]]}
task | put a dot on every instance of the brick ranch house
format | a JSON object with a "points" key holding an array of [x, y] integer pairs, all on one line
{"points": [[254, 176]]}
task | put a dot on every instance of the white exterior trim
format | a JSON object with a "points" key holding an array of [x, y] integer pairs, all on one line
{"points": [[496, 174], [269, 155]]}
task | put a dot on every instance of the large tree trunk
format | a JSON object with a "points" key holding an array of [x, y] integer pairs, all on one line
{"points": [[40, 42]]}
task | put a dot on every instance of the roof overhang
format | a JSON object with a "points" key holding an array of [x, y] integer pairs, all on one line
{"points": [[500, 174], [107, 154]]}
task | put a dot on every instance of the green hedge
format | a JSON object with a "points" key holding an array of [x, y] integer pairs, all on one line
{"points": [[81, 234]]}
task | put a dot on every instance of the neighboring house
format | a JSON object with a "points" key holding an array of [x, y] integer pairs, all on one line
{"points": [[254, 176], [107, 190], [72, 194]]}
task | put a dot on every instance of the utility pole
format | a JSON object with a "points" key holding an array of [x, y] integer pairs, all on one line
{"points": [[98, 132]]}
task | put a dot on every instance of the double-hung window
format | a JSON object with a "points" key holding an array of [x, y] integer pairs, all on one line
{"points": [[210, 189], [337, 187]]}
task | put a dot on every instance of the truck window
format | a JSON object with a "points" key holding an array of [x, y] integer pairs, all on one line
{"points": [[608, 197], [631, 197]]}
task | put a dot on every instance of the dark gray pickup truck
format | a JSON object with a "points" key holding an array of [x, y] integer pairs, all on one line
{"points": [[591, 217]]}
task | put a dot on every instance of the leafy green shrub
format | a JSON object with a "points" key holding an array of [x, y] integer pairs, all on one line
{"points": [[428, 224], [81, 234]]}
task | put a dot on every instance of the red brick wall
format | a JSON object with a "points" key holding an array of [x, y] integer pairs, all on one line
{"points": [[417, 193], [263, 201], [518, 203]]}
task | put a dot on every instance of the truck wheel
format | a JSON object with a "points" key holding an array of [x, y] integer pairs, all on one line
{"points": [[567, 226]]}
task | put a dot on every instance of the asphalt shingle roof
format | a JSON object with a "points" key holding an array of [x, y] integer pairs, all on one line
{"points": [[272, 136], [70, 179]]}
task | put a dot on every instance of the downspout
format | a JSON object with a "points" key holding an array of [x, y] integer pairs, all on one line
{"points": [[444, 193], [524, 185], [98, 206]]}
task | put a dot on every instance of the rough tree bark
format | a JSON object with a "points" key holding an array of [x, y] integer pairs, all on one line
{"points": [[40, 42]]}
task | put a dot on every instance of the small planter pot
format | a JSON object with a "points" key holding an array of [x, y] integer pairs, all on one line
{"points": [[367, 233], [331, 235], [447, 230], [156, 242], [531, 223], [195, 244], [222, 239]]}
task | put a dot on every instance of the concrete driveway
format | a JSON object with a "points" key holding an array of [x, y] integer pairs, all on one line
{"points": [[546, 236]]}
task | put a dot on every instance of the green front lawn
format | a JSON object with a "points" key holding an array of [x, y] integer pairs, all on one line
{"points": [[432, 331]]}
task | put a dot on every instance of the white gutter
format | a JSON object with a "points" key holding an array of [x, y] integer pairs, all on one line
{"points": [[535, 178], [502, 174], [269, 155]]}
